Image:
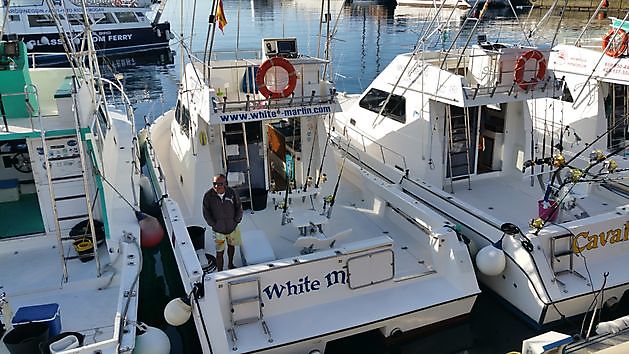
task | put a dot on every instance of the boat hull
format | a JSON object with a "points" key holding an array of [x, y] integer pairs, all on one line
{"points": [[107, 42]]}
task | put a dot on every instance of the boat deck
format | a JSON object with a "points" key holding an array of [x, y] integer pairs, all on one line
{"points": [[32, 275], [352, 211], [511, 198]]}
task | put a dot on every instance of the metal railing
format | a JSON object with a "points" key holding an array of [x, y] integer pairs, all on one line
{"points": [[381, 151]]}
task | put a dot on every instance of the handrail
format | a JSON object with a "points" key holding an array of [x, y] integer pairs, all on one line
{"points": [[381, 147]]}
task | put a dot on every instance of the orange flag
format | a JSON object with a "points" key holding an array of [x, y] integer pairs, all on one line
{"points": [[220, 16]]}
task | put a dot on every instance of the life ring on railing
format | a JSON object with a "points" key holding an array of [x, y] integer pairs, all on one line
{"points": [[518, 74], [264, 68], [619, 46]]}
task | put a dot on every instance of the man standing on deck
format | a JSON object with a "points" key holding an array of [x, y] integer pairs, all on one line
{"points": [[222, 210]]}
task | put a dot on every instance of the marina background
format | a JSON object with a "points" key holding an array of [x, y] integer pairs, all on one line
{"points": [[368, 36]]}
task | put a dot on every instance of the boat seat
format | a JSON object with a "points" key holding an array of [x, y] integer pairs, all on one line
{"points": [[255, 247], [309, 244]]}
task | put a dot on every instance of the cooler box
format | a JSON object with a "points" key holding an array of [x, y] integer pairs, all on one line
{"points": [[9, 190], [48, 313]]}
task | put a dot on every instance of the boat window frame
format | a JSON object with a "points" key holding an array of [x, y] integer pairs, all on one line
{"points": [[37, 24], [16, 3], [15, 18], [182, 116], [125, 20], [395, 109], [105, 15]]}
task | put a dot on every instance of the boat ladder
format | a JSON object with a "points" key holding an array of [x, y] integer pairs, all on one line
{"points": [[235, 160], [561, 247], [246, 307], [63, 179], [458, 146]]}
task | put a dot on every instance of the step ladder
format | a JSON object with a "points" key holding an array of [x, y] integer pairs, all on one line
{"points": [[74, 153], [458, 146], [234, 163], [561, 247], [246, 307]]}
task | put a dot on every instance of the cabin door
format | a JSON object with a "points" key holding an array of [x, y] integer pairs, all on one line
{"points": [[616, 111], [491, 138], [245, 165]]}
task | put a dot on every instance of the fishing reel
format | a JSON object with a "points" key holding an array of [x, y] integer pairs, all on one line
{"points": [[557, 161], [323, 178]]}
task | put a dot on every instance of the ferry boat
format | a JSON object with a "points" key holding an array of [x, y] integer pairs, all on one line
{"points": [[118, 26], [329, 249], [545, 213], [69, 235]]}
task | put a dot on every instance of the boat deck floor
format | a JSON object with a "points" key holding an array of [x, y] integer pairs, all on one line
{"points": [[24, 215], [351, 211], [32, 275], [511, 198]]}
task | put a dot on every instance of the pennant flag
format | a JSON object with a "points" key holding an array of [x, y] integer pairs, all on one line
{"points": [[220, 16]]}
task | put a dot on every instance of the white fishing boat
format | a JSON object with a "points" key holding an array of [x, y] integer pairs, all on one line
{"points": [[479, 155], [329, 249], [118, 26], [69, 236]]}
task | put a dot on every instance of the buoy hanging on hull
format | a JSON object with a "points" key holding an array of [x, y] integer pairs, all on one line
{"points": [[177, 311], [151, 231], [151, 341], [491, 260]]}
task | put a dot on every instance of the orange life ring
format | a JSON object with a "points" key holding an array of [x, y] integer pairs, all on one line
{"points": [[264, 68], [518, 74], [619, 46]]}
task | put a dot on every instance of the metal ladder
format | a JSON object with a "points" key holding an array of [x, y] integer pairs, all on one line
{"points": [[242, 133], [559, 252], [246, 306], [54, 181], [458, 145]]}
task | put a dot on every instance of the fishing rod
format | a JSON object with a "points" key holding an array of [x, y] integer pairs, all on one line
{"points": [[322, 176], [285, 218], [308, 178], [332, 198]]}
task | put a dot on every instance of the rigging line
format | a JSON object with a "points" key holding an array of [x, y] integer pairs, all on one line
{"points": [[209, 50], [194, 12], [7, 5], [576, 100], [518, 21], [544, 19], [320, 29], [600, 5], [212, 23], [563, 12], [332, 35]]}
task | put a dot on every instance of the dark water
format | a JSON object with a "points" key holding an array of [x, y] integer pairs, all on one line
{"points": [[368, 36]]}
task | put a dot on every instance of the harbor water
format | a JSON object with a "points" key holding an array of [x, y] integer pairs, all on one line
{"points": [[366, 36]]}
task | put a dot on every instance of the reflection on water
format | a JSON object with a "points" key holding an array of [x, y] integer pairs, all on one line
{"points": [[367, 37]]}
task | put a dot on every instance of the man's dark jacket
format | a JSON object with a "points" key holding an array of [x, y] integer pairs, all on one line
{"points": [[223, 215]]}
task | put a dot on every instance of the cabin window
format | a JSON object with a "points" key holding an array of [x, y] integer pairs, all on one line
{"points": [[76, 19], [140, 15], [40, 20], [18, 3], [182, 116], [126, 17], [104, 18], [14, 18], [395, 109]]}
